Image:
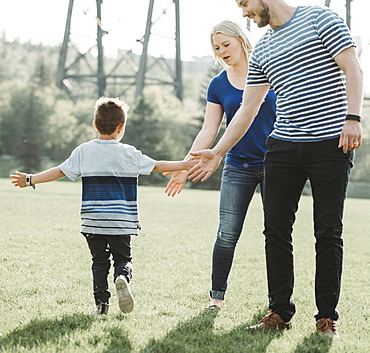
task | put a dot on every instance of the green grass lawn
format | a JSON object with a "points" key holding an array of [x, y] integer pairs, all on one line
{"points": [[46, 288]]}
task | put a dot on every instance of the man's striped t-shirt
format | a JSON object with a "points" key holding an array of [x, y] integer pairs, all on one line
{"points": [[109, 171], [297, 60]]}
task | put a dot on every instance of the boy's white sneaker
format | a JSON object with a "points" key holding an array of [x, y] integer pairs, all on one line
{"points": [[125, 298], [101, 309]]}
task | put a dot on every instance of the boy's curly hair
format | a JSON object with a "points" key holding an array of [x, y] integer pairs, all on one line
{"points": [[109, 113]]}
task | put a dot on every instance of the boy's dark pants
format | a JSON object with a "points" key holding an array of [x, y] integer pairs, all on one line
{"points": [[287, 167], [101, 247]]}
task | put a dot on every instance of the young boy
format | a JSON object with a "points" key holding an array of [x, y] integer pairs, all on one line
{"points": [[109, 213]]}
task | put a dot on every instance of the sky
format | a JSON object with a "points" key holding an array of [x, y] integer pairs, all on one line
{"points": [[43, 21]]}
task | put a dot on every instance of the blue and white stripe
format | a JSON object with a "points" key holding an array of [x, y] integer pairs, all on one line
{"points": [[109, 205], [297, 60], [109, 172]]}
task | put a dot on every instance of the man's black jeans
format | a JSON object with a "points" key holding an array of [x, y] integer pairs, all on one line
{"points": [[287, 167]]}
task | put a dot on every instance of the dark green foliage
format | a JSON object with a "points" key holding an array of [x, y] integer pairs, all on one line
{"points": [[36, 123], [40, 122], [214, 181], [156, 126], [32, 121], [21, 128], [43, 75]]}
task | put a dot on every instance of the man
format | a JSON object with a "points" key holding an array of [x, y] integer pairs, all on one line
{"points": [[302, 57]]}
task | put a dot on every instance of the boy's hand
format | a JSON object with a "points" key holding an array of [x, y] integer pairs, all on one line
{"points": [[191, 162], [177, 182], [19, 179]]}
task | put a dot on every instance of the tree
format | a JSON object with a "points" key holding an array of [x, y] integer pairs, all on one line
{"points": [[69, 124], [157, 127], [21, 128], [33, 120], [214, 181], [42, 122]]}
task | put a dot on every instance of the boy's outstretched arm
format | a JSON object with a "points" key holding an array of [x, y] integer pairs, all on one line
{"points": [[19, 179], [173, 166]]}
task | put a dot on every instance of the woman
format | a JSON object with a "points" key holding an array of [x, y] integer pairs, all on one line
{"points": [[243, 169]]}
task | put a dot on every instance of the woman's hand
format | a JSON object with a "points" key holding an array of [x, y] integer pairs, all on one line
{"points": [[206, 166]]}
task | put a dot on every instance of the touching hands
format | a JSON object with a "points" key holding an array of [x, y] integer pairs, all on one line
{"points": [[19, 179], [178, 179], [208, 163], [190, 162], [177, 182], [351, 136]]}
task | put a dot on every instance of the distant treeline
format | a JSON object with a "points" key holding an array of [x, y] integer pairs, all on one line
{"points": [[38, 121]]}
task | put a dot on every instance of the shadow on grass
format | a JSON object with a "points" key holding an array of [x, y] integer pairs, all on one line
{"points": [[197, 335], [40, 332], [314, 344], [118, 341]]}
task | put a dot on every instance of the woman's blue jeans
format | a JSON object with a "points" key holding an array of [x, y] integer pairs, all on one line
{"points": [[237, 189], [101, 248], [287, 167]]}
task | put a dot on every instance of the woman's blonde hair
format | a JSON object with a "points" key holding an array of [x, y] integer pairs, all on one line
{"points": [[231, 29]]}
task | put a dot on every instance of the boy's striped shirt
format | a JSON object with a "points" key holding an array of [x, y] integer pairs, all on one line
{"points": [[109, 171]]}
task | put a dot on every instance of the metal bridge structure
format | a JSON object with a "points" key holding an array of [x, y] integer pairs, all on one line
{"points": [[348, 11], [88, 74]]}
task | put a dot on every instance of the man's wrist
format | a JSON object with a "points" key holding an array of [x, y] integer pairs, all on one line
{"points": [[353, 117], [29, 181]]}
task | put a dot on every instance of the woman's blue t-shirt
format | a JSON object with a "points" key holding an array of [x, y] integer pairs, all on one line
{"points": [[248, 153]]}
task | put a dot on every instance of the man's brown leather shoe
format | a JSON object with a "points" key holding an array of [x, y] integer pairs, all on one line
{"points": [[271, 321], [327, 327]]}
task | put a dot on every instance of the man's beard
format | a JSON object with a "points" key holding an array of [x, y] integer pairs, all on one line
{"points": [[264, 15]]}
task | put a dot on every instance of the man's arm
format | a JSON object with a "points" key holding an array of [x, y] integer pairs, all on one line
{"points": [[347, 60], [253, 97]]}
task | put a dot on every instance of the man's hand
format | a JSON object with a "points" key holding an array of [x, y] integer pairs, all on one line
{"points": [[351, 136], [177, 182], [208, 163]]}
